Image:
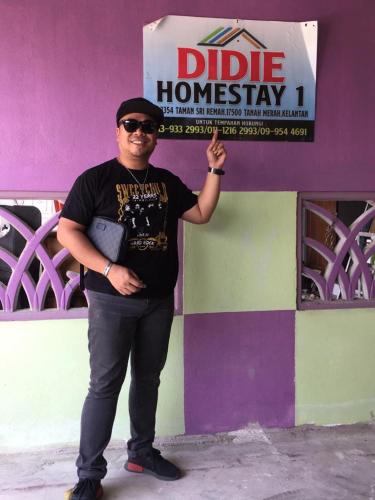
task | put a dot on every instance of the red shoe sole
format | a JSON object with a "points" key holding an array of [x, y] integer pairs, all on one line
{"points": [[134, 467]]}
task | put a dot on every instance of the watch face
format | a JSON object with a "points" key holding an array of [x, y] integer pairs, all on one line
{"points": [[4, 227]]}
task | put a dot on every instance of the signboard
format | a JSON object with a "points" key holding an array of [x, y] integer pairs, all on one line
{"points": [[253, 80]]}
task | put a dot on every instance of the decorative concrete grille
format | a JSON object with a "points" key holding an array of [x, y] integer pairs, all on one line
{"points": [[348, 278], [63, 287]]}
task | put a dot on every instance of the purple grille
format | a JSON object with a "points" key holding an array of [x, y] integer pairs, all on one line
{"points": [[50, 276], [355, 279]]}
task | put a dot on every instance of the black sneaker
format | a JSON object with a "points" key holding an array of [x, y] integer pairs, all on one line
{"points": [[153, 463], [87, 489]]}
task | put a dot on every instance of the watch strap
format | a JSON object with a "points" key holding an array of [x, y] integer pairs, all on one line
{"points": [[217, 171]]}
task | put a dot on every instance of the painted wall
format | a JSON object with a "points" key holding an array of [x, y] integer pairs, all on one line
{"points": [[44, 373], [67, 64], [240, 352]]}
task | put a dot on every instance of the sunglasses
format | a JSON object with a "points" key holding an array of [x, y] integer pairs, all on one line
{"points": [[147, 126]]}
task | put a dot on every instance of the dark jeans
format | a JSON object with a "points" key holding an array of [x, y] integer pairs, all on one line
{"points": [[119, 326]]}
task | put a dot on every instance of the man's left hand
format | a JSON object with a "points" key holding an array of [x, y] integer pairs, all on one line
{"points": [[216, 153]]}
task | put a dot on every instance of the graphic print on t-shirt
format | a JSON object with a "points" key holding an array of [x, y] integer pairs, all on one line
{"points": [[143, 207]]}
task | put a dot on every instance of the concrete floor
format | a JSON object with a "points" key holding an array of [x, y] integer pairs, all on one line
{"points": [[304, 463]]}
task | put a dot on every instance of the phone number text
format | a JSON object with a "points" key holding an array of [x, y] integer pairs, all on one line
{"points": [[235, 131]]}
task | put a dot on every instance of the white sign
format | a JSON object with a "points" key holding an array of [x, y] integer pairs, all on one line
{"points": [[254, 80]]}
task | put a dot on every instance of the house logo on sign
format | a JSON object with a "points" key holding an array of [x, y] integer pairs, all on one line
{"points": [[222, 36]]}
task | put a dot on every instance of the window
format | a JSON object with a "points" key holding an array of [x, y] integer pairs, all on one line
{"points": [[336, 250], [38, 278]]}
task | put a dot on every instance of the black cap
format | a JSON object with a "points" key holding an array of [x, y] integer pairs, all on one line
{"points": [[140, 105]]}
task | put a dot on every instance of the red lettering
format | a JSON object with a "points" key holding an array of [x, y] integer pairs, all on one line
{"points": [[212, 64], [183, 63], [230, 65], [227, 56], [269, 66], [255, 67]]}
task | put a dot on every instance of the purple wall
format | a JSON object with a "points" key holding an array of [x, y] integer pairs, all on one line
{"points": [[66, 65], [240, 370]]}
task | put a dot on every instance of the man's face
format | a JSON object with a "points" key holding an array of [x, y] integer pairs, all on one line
{"points": [[137, 144]]}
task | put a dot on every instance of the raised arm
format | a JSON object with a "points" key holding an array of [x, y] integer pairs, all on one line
{"points": [[209, 196]]}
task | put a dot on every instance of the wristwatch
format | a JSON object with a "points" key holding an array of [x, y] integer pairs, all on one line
{"points": [[217, 171]]}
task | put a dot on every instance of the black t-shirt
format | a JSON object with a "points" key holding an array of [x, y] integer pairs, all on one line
{"points": [[150, 208]]}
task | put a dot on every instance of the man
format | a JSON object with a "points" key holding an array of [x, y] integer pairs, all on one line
{"points": [[131, 301]]}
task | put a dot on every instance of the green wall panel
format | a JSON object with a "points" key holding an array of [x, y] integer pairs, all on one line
{"points": [[335, 369], [44, 372], [244, 259]]}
